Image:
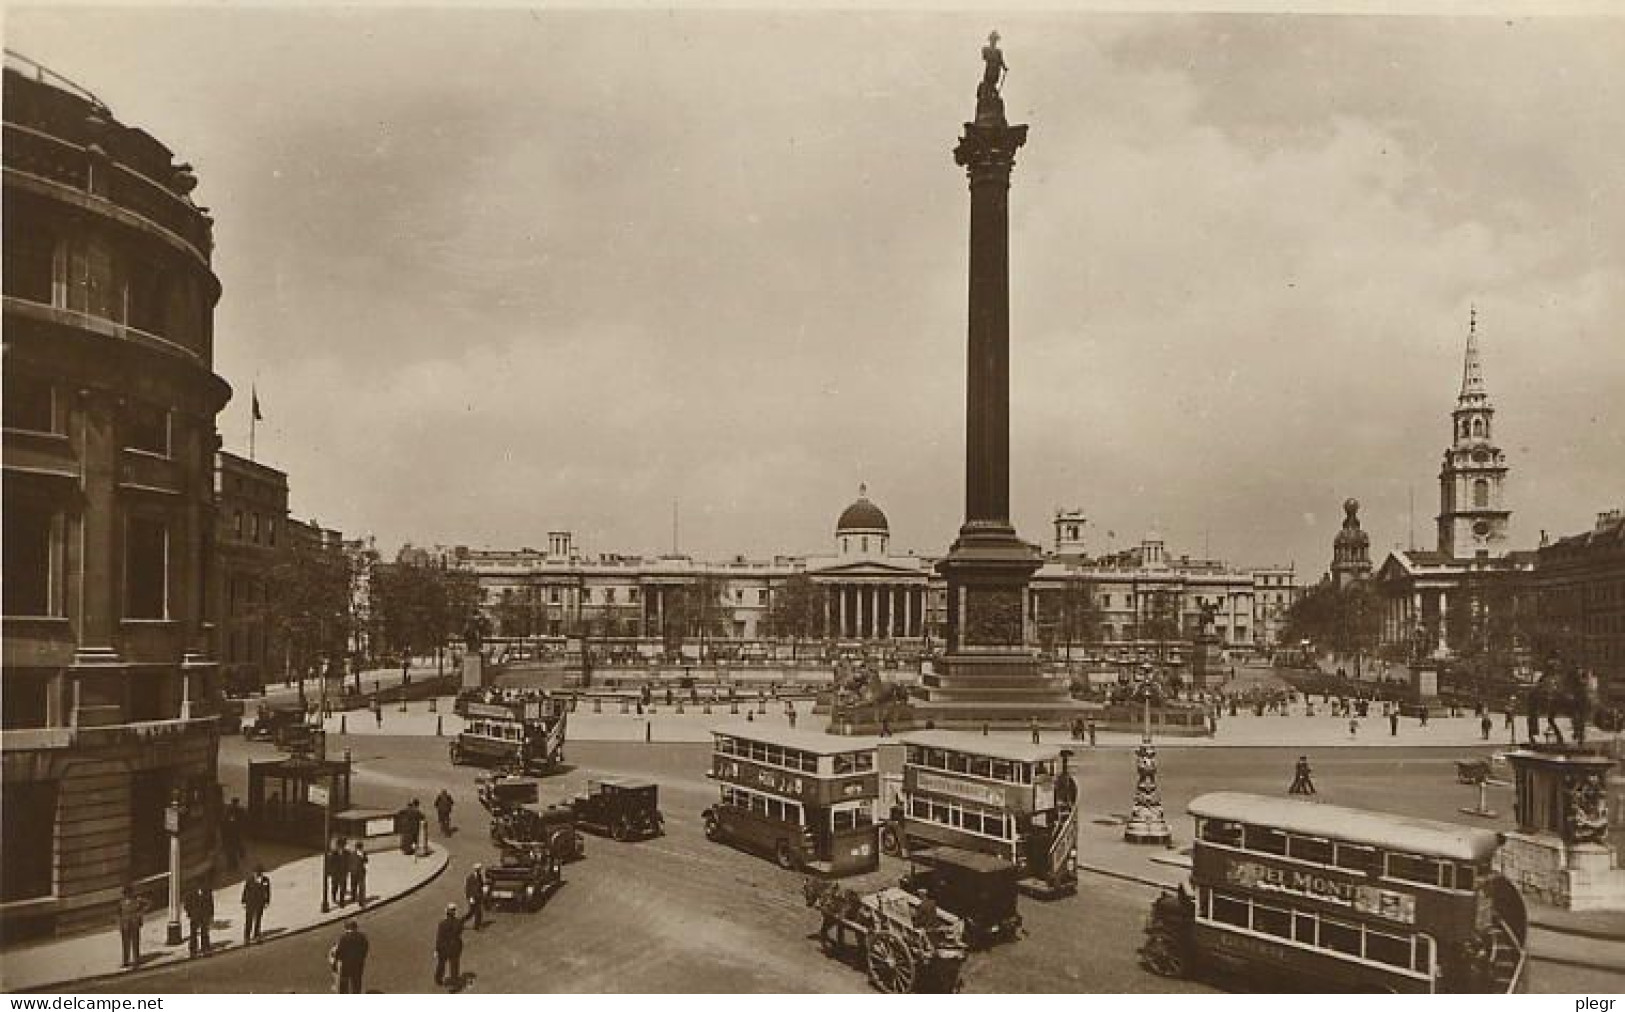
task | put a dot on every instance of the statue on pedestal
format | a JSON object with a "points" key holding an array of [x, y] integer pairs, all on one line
{"points": [[989, 106]]}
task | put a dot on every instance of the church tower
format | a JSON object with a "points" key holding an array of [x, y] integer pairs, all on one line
{"points": [[1473, 516], [1351, 549]]}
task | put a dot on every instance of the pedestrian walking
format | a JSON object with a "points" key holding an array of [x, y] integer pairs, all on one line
{"points": [[442, 809], [348, 958], [199, 906], [1424, 716], [256, 897], [1302, 783], [356, 867], [1090, 727], [1486, 725], [1354, 726], [474, 892], [335, 872], [377, 711], [132, 908], [1033, 723], [791, 713], [1393, 723], [231, 833], [448, 948]]}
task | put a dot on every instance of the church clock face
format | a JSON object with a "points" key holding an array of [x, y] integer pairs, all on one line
{"points": [[1481, 455], [1482, 528]]}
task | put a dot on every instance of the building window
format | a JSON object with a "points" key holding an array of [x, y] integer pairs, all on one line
{"points": [[146, 568], [30, 549], [632, 594], [27, 852], [93, 283], [552, 595], [1478, 427], [146, 428], [29, 403], [237, 524], [254, 528], [29, 269], [865, 546], [270, 531], [586, 595], [1481, 494]]}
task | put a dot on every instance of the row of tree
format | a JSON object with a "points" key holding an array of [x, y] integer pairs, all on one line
{"points": [[413, 607]]}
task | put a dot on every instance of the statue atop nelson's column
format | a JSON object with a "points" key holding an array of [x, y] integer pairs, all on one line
{"points": [[988, 102]]}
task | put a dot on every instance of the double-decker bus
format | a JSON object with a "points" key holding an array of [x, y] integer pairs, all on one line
{"points": [[1015, 801], [806, 798], [525, 734], [1343, 898]]}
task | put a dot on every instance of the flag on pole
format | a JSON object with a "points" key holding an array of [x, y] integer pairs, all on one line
{"points": [[254, 394]]}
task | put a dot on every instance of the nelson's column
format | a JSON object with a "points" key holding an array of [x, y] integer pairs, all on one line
{"points": [[989, 673]]}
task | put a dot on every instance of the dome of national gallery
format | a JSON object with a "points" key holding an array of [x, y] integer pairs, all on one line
{"points": [[862, 517]]}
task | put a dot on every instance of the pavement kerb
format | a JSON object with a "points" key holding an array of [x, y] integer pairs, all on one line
{"points": [[334, 916], [1124, 875], [1595, 934]]}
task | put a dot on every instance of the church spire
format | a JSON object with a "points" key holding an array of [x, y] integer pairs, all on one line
{"points": [[1473, 392]]}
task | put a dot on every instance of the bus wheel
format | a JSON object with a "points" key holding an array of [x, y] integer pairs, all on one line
{"points": [[1162, 956], [785, 857], [713, 829], [620, 831], [891, 841]]}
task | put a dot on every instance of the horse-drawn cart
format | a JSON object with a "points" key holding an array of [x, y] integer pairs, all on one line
{"points": [[906, 943]]}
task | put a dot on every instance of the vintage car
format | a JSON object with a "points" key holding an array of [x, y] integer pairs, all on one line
{"points": [[980, 888], [623, 809], [285, 725], [525, 877]]}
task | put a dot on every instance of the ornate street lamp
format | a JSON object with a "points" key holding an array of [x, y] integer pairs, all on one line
{"points": [[1146, 821]]}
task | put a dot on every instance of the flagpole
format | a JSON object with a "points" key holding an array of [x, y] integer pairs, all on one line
{"points": [[253, 417]]}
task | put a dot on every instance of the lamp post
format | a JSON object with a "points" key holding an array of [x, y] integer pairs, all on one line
{"points": [[1146, 822], [172, 825]]}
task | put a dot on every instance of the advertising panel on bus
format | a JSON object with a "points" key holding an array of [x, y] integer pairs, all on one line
{"points": [[1016, 798], [802, 787], [1354, 891]]}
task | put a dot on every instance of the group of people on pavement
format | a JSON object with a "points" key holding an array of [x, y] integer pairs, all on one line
{"points": [[346, 873]]}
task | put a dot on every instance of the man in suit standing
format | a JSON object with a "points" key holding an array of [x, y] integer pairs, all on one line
{"points": [[256, 897]]}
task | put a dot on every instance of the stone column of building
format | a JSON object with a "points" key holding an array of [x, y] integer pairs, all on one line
{"points": [[1444, 621], [840, 598]]}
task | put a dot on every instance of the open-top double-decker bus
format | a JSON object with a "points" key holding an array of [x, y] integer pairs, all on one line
{"points": [[525, 734], [1015, 801], [806, 798], [1344, 898]]}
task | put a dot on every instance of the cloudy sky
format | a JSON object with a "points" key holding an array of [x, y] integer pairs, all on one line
{"points": [[503, 272]]}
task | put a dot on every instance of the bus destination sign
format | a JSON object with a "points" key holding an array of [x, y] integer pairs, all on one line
{"points": [[1384, 903]]}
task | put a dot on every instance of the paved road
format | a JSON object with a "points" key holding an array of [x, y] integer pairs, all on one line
{"points": [[681, 914]]}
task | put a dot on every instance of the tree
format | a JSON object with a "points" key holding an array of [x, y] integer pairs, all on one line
{"points": [[694, 609], [308, 600], [1068, 615], [1344, 620], [419, 604], [797, 610]]}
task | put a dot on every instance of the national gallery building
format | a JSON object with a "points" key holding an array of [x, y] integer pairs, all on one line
{"points": [[864, 594]]}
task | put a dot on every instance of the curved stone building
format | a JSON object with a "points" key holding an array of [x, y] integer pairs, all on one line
{"points": [[109, 440]]}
